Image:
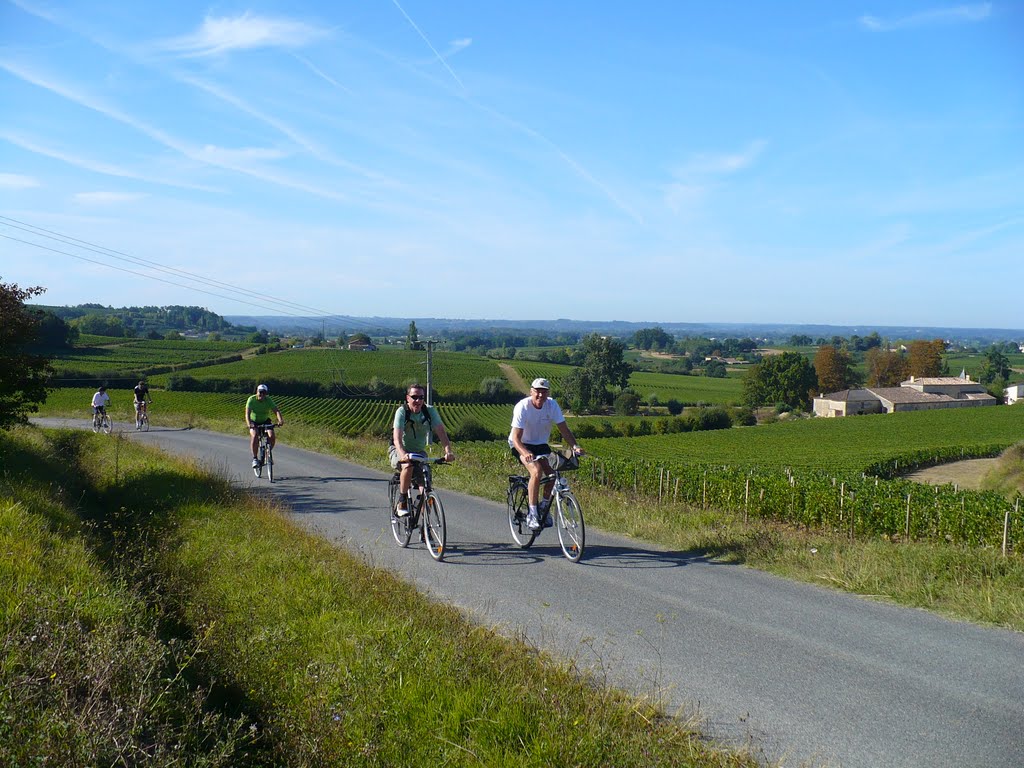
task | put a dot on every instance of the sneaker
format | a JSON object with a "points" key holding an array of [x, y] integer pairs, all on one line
{"points": [[255, 463], [532, 522], [401, 508]]}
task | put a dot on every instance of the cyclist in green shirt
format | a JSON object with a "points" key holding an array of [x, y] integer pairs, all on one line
{"points": [[257, 412], [413, 421]]}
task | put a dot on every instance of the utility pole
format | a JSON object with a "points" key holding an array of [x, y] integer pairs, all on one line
{"points": [[430, 385]]}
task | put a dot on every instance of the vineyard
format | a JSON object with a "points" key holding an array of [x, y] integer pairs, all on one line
{"points": [[850, 445], [133, 358], [689, 390], [346, 416], [348, 370]]}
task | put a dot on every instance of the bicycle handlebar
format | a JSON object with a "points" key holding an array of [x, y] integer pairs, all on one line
{"points": [[423, 460]]}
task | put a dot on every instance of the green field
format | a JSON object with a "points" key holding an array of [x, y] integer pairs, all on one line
{"points": [[973, 363], [136, 357], [689, 390], [453, 372], [833, 445], [353, 416]]}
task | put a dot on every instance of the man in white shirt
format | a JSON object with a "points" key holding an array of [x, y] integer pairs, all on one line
{"points": [[100, 401], [532, 420]]}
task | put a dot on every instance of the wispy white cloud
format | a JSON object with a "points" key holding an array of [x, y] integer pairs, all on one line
{"points": [[225, 161], [95, 166], [17, 181], [224, 34], [321, 74], [457, 46], [722, 164], [106, 198], [958, 14]]}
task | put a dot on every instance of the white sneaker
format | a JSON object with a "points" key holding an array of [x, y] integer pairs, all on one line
{"points": [[532, 522], [401, 510], [255, 463]]}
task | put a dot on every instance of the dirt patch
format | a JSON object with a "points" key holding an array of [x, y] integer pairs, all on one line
{"points": [[964, 474], [517, 381]]}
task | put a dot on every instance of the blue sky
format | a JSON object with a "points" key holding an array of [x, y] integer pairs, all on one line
{"points": [[801, 162]]}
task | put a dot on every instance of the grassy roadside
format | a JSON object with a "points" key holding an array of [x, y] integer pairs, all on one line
{"points": [[319, 658], [971, 584]]}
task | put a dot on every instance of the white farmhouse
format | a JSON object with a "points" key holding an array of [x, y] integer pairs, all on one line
{"points": [[1013, 393], [911, 395]]}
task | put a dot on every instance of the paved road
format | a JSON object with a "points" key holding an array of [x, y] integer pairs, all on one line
{"points": [[801, 674]]}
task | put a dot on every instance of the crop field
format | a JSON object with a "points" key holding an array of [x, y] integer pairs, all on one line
{"points": [[973, 363], [843, 445], [453, 372], [689, 390], [134, 356], [346, 416]]}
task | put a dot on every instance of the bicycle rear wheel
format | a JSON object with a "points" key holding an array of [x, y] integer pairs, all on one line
{"points": [[144, 423], [435, 531], [518, 506], [571, 531]]}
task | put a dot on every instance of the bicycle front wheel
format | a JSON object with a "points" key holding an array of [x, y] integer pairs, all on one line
{"points": [[518, 506], [571, 531], [270, 464], [107, 425], [401, 527], [435, 532], [145, 423]]}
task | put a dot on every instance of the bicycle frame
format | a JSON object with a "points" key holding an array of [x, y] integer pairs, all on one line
{"points": [[265, 450], [565, 509], [426, 513]]}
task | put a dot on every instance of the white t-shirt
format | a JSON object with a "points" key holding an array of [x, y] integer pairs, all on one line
{"points": [[535, 422], [100, 398]]}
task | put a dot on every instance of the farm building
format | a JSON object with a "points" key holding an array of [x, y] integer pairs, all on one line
{"points": [[911, 395], [1014, 392]]}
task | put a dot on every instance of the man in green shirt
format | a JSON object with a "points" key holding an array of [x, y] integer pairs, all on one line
{"points": [[413, 422], [257, 412]]}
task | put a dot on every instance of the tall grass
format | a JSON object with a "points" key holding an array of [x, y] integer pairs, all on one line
{"points": [[337, 663]]}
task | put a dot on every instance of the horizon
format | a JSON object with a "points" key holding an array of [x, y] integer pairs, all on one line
{"points": [[804, 163]]}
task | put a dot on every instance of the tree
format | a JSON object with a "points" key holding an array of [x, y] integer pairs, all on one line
{"points": [[627, 403], [652, 338], [834, 368], [715, 369], [886, 368], [101, 325], [924, 358], [996, 366], [787, 378], [602, 371], [412, 338], [23, 375]]}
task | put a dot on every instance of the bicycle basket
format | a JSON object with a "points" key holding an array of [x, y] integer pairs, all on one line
{"points": [[563, 463]]}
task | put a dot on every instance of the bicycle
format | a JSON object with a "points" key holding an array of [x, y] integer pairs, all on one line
{"points": [[101, 422], [565, 509], [265, 453], [426, 512], [142, 417]]}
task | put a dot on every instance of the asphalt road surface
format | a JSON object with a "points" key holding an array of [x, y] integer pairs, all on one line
{"points": [[800, 674]]}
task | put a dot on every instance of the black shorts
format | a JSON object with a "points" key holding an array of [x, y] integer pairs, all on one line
{"points": [[537, 449]]}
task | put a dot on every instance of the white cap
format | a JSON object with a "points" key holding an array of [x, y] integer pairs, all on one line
{"points": [[541, 384], [262, 388]]}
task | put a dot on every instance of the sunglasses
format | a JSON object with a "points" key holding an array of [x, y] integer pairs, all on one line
{"points": [[415, 397]]}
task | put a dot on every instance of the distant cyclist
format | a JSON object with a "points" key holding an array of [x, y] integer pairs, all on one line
{"points": [[141, 399], [258, 409], [413, 422], [532, 419], [100, 401]]}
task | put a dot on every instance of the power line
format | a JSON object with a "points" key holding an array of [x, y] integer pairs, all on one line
{"points": [[284, 306]]}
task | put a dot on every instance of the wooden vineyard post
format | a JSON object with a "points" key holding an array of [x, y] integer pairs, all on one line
{"points": [[704, 493], [906, 528], [661, 483], [746, 501], [675, 492]]}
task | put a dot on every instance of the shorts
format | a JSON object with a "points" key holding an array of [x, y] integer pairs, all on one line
{"points": [[99, 409], [537, 449], [139, 403], [393, 455]]}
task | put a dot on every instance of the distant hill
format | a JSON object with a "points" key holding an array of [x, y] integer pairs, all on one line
{"points": [[777, 332]]}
